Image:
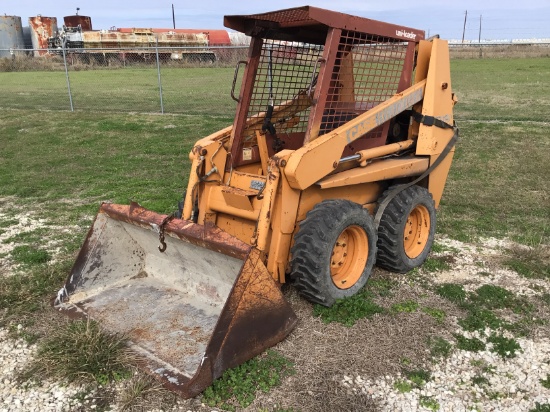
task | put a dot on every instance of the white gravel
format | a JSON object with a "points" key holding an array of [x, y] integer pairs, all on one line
{"points": [[512, 384]]}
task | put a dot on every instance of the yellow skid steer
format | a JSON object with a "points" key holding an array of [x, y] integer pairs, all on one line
{"points": [[336, 160]]}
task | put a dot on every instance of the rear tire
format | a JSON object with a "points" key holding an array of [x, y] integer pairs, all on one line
{"points": [[334, 251], [407, 229]]}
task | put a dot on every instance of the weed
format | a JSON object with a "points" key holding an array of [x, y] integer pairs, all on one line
{"points": [[429, 403], [531, 263], [418, 377], [435, 313], [402, 386], [8, 223], [81, 352], [545, 298], [546, 382], [453, 292], [496, 297], [137, 389], [29, 256], [23, 294], [469, 344], [408, 306], [480, 380], [382, 287], [238, 386], [18, 331], [505, 347], [541, 407], [479, 319], [405, 361], [439, 347], [349, 310], [438, 248], [436, 264]]}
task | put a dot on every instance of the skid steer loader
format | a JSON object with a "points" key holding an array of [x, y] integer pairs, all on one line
{"points": [[337, 159]]}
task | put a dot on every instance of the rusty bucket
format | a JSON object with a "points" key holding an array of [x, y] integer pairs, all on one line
{"points": [[205, 304]]}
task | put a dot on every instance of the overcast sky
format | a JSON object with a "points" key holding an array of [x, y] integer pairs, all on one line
{"points": [[501, 19]]}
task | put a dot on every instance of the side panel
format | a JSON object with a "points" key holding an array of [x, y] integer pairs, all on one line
{"points": [[438, 102]]}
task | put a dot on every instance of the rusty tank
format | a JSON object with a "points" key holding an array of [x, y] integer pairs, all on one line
{"points": [[42, 28]]}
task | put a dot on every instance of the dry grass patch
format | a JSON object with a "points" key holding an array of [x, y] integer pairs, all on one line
{"points": [[81, 352]]}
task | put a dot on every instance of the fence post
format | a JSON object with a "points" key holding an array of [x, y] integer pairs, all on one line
{"points": [[158, 72], [67, 75]]}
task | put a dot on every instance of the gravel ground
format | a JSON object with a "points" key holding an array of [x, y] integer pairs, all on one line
{"points": [[511, 384]]}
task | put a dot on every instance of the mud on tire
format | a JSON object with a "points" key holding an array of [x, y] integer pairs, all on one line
{"points": [[406, 231], [334, 251]]}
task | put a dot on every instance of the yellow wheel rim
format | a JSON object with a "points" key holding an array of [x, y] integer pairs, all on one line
{"points": [[417, 231], [349, 257]]}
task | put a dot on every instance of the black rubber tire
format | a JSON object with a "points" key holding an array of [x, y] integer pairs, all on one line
{"points": [[314, 245], [392, 253]]}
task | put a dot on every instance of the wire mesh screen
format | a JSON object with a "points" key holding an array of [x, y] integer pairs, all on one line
{"points": [[286, 74], [367, 72]]}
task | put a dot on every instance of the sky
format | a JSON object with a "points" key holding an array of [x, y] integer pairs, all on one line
{"points": [[500, 19]]}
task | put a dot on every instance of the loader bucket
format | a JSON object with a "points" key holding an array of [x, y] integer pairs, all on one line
{"points": [[204, 305]]}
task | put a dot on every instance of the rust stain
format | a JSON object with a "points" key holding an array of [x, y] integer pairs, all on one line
{"points": [[42, 28]]}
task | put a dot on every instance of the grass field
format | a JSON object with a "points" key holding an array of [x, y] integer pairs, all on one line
{"points": [[58, 166]]}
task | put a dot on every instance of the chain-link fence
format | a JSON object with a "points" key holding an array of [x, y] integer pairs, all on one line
{"points": [[190, 80], [165, 80]]}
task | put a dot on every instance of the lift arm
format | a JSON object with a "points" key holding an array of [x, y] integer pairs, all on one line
{"points": [[320, 157]]}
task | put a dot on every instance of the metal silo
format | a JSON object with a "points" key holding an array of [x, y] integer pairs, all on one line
{"points": [[27, 37], [74, 21], [42, 28], [11, 35]]}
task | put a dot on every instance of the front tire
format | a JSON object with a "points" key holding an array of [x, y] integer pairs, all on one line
{"points": [[407, 229], [334, 251]]}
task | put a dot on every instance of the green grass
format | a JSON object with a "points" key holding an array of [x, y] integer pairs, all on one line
{"points": [[418, 377], [23, 294], [469, 344], [453, 292], [503, 89], [428, 402], [98, 157], [29, 256], [238, 386], [349, 310], [479, 319], [81, 352], [188, 90], [407, 306], [439, 347], [530, 263], [402, 386], [438, 314], [504, 347]]}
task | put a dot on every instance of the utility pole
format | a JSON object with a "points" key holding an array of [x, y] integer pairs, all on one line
{"points": [[464, 29], [173, 17], [479, 37]]}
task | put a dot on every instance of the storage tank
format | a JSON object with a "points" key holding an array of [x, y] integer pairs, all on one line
{"points": [[11, 35], [73, 21], [27, 37], [42, 28]]}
